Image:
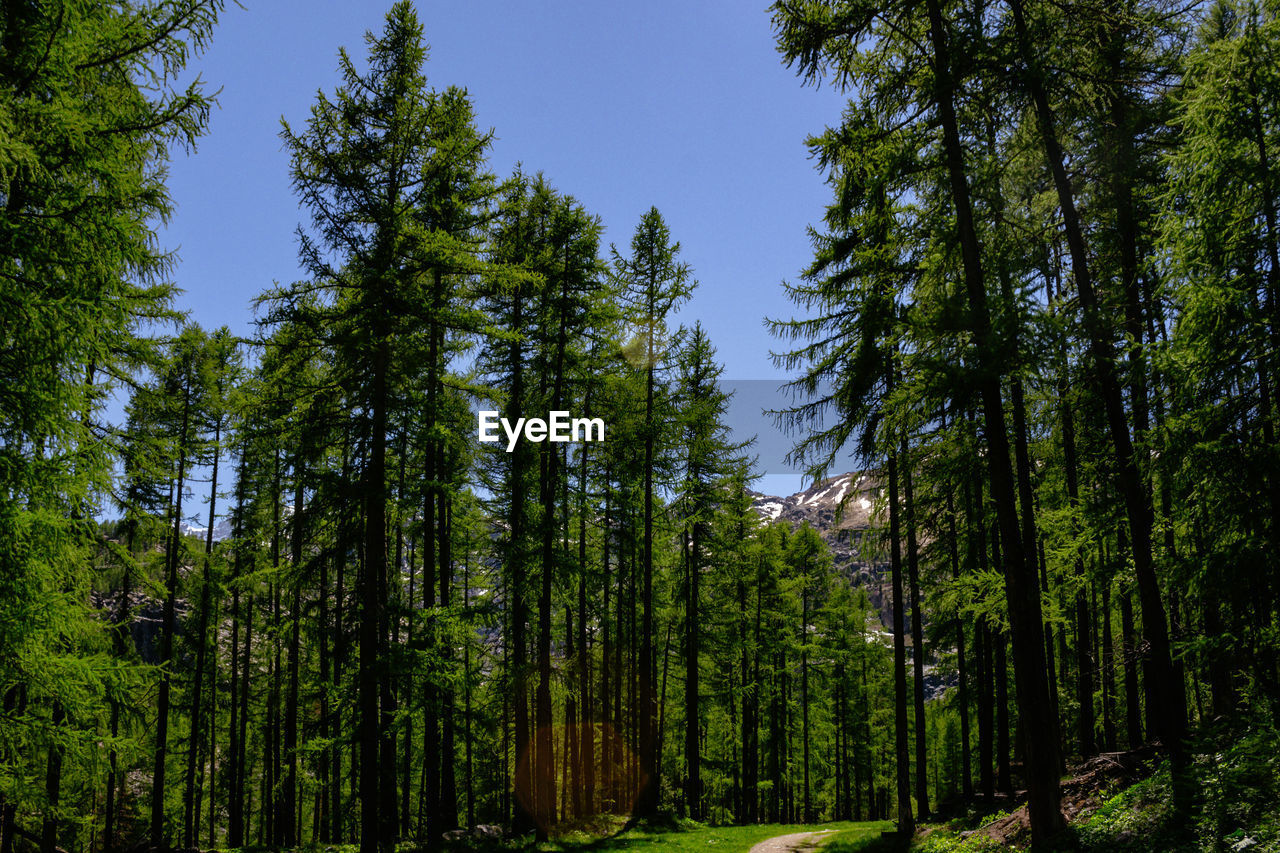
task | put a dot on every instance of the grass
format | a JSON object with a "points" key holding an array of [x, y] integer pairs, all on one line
{"points": [[687, 837], [722, 839], [865, 838]]}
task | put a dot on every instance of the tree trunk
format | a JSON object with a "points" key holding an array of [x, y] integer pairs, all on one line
{"points": [[523, 819], [1132, 715], [290, 794], [1022, 588], [372, 833], [52, 787], [466, 687], [647, 802], [917, 636], [750, 704], [448, 779], [906, 821], [962, 671], [586, 736], [692, 756], [166, 635], [1171, 716], [190, 815], [608, 796], [804, 703]]}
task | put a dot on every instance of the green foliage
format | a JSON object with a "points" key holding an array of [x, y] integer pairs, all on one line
{"points": [[1239, 770], [942, 841], [496, 613], [88, 112]]}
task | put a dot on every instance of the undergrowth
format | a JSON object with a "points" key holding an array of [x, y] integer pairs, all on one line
{"points": [[1236, 776]]}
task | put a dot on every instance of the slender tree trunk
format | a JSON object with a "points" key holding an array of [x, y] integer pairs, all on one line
{"points": [[586, 736], [1108, 670], [750, 700], [607, 733], [986, 706], [692, 700], [211, 747], [14, 698], [647, 803], [120, 637], [982, 653], [326, 728], [1004, 780], [1022, 588], [619, 769], [906, 821], [962, 671], [662, 695], [429, 793], [166, 635], [1084, 657], [272, 801], [289, 796], [1172, 707], [372, 833], [571, 790], [191, 817], [52, 786], [545, 772], [238, 831], [1132, 715], [340, 651], [466, 687], [448, 778], [917, 636], [550, 469], [804, 703], [523, 818]]}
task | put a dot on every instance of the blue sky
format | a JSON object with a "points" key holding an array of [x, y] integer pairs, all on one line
{"points": [[682, 105]]}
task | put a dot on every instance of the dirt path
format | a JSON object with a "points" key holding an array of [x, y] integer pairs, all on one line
{"points": [[796, 841]]}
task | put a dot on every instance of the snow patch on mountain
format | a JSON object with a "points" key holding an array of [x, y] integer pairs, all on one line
{"points": [[221, 530], [840, 509]]}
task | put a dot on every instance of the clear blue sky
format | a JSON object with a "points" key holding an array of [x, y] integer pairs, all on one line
{"points": [[682, 105]]}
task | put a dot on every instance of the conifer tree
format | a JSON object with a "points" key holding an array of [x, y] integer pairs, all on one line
{"points": [[708, 454], [88, 110], [388, 170], [653, 283]]}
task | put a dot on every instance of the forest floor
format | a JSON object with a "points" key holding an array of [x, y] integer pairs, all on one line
{"points": [[688, 836], [1123, 803], [1119, 802], [1089, 785], [795, 842], [781, 838]]}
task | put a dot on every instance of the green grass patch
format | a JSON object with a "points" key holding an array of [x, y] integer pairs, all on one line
{"points": [[688, 836], [865, 838]]}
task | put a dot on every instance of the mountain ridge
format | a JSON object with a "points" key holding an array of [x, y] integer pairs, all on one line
{"points": [[844, 529]]}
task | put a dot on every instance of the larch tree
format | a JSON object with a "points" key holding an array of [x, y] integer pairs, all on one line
{"points": [[385, 167], [653, 283], [709, 454], [89, 107]]}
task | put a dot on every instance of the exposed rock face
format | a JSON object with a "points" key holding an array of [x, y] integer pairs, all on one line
{"points": [[858, 552], [221, 530], [146, 617], [840, 510], [849, 496]]}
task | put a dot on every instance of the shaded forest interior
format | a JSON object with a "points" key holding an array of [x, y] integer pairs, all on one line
{"points": [[1042, 322]]}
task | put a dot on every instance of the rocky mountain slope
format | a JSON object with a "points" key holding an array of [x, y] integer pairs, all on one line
{"points": [[840, 510], [221, 530], [856, 550]]}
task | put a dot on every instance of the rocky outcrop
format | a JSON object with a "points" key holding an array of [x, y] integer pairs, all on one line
{"points": [[840, 509]]}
